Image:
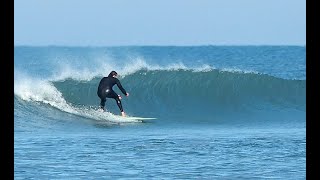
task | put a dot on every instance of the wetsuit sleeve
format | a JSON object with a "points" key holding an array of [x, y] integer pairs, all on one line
{"points": [[120, 87]]}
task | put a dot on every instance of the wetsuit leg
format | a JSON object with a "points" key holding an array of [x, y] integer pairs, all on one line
{"points": [[102, 103], [119, 103], [115, 96], [103, 97]]}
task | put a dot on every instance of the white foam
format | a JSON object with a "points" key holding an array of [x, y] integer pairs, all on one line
{"points": [[204, 68], [76, 74], [96, 114], [237, 70], [103, 66], [31, 89]]}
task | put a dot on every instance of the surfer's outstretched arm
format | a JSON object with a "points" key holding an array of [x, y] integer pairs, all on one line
{"points": [[121, 88]]}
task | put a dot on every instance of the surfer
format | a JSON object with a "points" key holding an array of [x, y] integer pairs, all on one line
{"points": [[105, 90]]}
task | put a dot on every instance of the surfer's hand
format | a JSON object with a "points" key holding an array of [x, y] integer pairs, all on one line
{"points": [[127, 94]]}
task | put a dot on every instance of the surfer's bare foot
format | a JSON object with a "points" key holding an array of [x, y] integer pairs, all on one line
{"points": [[101, 109], [123, 114]]}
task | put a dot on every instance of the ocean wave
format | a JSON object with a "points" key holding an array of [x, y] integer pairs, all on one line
{"points": [[174, 90]]}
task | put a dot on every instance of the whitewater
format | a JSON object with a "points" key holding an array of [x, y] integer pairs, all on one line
{"points": [[222, 112]]}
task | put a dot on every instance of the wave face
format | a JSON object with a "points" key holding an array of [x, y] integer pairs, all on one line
{"points": [[175, 92]]}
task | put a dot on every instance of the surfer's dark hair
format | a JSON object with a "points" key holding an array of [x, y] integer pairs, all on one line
{"points": [[112, 73]]}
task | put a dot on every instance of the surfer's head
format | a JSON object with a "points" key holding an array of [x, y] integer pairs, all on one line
{"points": [[113, 73]]}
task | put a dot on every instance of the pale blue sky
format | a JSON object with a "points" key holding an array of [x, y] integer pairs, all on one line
{"points": [[159, 22]]}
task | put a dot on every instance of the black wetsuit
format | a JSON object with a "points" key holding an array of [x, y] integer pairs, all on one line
{"points": [[105, 91]]}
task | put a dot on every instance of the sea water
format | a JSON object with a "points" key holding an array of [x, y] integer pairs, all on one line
{"points": [[223, 112]]}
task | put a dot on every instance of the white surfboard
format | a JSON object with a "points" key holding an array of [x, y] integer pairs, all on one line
{"points": [[135, 118], [130, 117]]}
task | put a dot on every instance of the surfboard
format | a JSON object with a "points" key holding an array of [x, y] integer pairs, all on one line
{"points": [[126, 118], [135, 118]]}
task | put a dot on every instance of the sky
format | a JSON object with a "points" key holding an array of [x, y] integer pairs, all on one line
{"points": [[159, 22]]}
